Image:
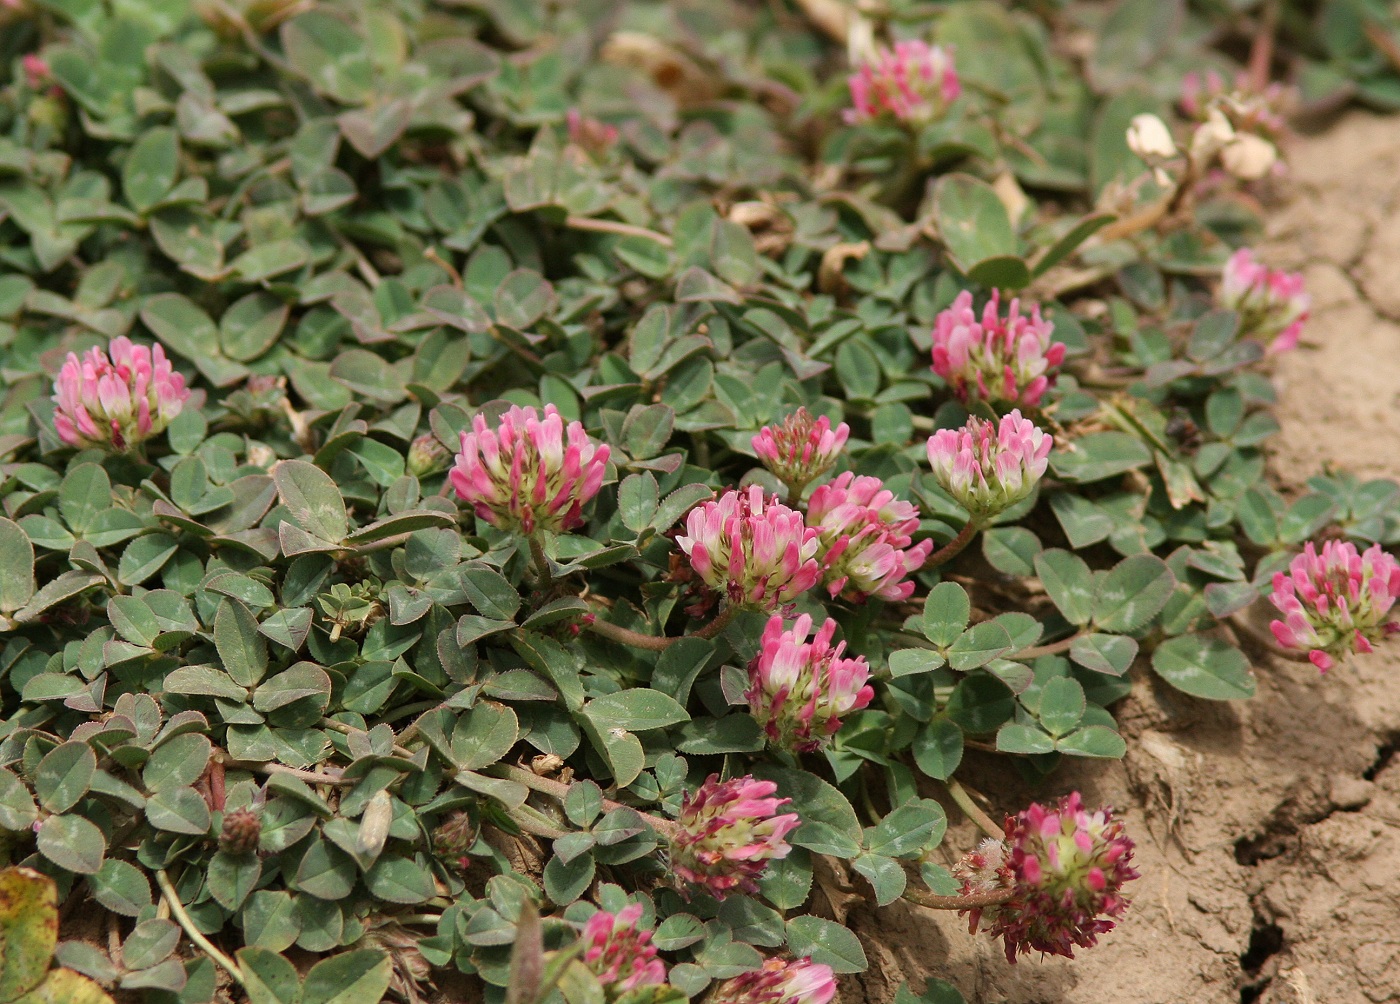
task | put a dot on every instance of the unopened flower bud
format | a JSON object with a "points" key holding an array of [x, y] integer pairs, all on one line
{"points": [[426, 455], [453, 838], [1336, 602], [240, 832], [801, 449], [728, 832], [1249, 157], [1150, 139]]}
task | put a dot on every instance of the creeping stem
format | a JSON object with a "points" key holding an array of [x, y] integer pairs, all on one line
{"points": [[658, 643], [558, 791], [972, 901], [177, 910]]}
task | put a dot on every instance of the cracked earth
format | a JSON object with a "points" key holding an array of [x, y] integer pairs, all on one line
{"points": [[1269, 830]]}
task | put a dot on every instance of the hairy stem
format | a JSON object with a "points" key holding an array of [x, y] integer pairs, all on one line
{"points": [[540, 561], [712, 629], [177, 910], [616, 227], [618, 633], [973, 810], [971, 901], [951, 549]]}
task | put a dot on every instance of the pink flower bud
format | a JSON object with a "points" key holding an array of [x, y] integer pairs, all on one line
{"points": [[37, 74], [1335, 602], [866, 534], [590, 134], [754, 552], [1012, 361], [913, 82], [116, 402], [1066, 868], [800, 981], [619, 953], [800, 450], [426, 455], [729, 831], [798, 690], [530, 472], [1271, 303], [987, 467]]}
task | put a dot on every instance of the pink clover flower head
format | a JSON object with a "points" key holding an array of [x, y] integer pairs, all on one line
{"points": [[914, 82], [866, 536], [1271, 302], [989, 467], [1335, 602], [1066, 868], [728, 832], [799, 689], [531, 472], [800, 981], [1012, 361], [620, 953], [801, 449], [589, 133], [118, 398], [755, 552]]}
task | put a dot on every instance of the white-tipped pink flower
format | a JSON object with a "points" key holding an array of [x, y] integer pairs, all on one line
{"points": [[1065, 868], [620, 953], [799, 689], [1011, 361], [1247, 109], [530, 472], [988, 467], [866, 538], [1335, 602], [913, 82], [753, 551], [800, 981], [727, 833], [801, 449], [119, 401], [1271, 302]]}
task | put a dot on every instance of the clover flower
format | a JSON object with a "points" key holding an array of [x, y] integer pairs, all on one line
{"points": [[1065, 868], [865, 535], [1335, 602], [727, 833], [801, 449], [798, 690], [116, 401], [37, 74], [989, 467], [1271, 302], [619, 953], [531, 472], [800, 981], [453, 838], [913, 82], [1012, 361], [754, 552]]}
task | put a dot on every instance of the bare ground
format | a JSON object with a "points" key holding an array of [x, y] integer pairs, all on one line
{"points": [[1269, 830]]}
